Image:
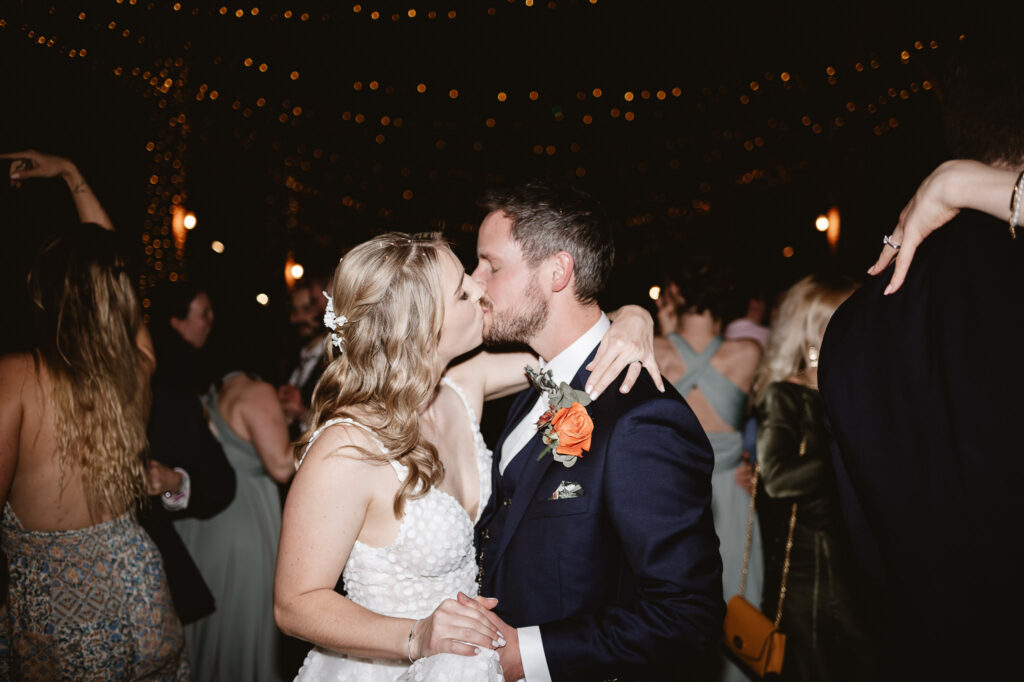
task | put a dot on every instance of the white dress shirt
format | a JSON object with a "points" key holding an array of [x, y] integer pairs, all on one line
{"points": [[563, 368]]}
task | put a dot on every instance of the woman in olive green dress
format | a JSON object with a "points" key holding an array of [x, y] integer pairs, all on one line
{"points": [[822, 609]]}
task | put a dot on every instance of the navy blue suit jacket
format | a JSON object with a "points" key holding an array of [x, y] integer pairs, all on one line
{"points": [[625, 580]]}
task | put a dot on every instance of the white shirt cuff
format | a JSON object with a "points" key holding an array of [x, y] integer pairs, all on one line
{"points": [[531, 651], [178, 500]]}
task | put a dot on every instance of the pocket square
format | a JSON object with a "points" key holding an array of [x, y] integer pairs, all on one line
{"points": [[567, 490]]}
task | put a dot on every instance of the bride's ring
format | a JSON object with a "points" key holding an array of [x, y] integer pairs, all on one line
{"points": [[635, 360], [887, 241]]}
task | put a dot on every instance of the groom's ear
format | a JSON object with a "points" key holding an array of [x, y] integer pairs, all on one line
{"points": [[562, 266]]}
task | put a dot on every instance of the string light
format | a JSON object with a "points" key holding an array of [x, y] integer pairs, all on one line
{"points": [[164, 89]]}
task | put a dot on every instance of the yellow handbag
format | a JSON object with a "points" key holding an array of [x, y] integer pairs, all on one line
{"points": [[753, 639]]}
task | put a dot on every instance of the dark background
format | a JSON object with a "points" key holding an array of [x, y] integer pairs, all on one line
{"points": [[780, 112]]}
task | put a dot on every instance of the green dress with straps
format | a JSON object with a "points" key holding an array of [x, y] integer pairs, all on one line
{"points": [[730, 504], [236, 552]]}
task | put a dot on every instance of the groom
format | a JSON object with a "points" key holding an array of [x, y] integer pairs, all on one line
{"points": [[609, 568]]}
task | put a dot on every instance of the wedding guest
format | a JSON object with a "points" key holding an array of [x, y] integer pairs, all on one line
{"points": [[87, 597], [822, 615], [921, 375], [751, 324], [715, 376], [306, 311], [189, 475], [236, 548]]}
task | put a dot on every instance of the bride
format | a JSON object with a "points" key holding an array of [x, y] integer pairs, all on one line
{"points": [[394, 472]]}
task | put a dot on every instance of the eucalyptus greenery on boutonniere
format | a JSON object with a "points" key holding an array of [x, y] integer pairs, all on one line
{"points": [[566, 426]]}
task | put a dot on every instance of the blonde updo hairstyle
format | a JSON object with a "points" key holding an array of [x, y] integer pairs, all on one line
{"points": [[390, 289], [804, 312]]}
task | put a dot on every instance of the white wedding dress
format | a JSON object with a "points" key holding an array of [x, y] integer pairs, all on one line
{"points": [[432, 559]]}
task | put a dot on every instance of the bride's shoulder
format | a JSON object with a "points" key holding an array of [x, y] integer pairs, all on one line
{"points": [[348, 441]]}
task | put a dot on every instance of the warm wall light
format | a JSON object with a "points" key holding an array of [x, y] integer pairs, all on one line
{"points": [[189, 220], [833, 228], [654, 292], [292, 271], [262, 299], [821, 223], [218, 247], [178, 228]]}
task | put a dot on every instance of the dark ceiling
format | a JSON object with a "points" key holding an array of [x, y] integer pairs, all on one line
{"points": [[301, 128]]}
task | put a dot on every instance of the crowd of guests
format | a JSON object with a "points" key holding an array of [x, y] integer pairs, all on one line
{"points": [[850, 457]]}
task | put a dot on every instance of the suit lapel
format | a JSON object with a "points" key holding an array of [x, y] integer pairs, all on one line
{"points": [[533, 470]]}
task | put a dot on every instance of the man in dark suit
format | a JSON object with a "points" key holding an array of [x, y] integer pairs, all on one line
{"points": [[189, 476], [605, 564], [306, 312]]}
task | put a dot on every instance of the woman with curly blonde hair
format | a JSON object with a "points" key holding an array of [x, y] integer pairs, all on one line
{"points": [[87, 596], [394, 473], [797, 498]]}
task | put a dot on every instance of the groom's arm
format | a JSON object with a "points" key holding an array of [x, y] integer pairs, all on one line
{"points": [[658, 494]]}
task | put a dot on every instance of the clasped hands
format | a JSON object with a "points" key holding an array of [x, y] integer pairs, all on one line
{"points": [[465, 626]]}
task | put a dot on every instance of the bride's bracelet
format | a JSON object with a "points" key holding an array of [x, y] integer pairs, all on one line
{"points": [[412, 633]]}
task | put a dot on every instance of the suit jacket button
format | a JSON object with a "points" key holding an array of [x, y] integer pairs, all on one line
{"points": [[507, 502], [486, 534]]}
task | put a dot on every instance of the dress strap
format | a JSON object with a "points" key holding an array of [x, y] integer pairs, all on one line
{"points": [[726, 398], [351, 422], [697, 364], [465, 401]]}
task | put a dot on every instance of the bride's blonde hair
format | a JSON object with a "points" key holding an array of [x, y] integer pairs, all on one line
{"points": [[804, 313], [390, 290]]}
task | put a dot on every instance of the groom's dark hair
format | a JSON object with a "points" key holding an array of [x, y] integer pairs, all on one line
{"points": [[549, 218]]}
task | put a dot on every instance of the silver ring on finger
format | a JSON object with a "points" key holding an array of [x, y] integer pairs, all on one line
{"points": [[888, 241]]}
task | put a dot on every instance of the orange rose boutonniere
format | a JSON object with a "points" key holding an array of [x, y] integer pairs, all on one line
{"points": [[566, 427]]}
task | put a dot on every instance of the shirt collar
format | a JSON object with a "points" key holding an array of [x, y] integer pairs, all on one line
{"points": [[565, 365]]}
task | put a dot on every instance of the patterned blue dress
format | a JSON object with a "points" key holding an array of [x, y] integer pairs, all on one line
{"points": [[88, 604]]}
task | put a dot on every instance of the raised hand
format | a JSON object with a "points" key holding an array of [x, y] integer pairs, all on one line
{"points": [[457, 626], [629, 342], [32, 164], [953, 185]]}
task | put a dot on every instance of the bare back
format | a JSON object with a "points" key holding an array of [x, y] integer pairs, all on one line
{"points": [[736, 360], [29, 460], [251, 408]]}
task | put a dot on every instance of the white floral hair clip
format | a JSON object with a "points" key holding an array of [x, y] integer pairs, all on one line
{"points": [[334, 322]]}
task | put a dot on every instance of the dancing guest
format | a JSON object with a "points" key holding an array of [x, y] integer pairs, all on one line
{"points": [[822, 609], [87, 597], [394, 472], [921, 375], [715, 375], [236, 548]]}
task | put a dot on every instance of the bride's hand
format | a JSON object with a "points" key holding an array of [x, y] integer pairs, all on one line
{"points": [[454, 628], [629, 342]]}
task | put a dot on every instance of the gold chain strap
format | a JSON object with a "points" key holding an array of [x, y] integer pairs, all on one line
{"points": [[746, 550], [785, 565], [750, 530]]}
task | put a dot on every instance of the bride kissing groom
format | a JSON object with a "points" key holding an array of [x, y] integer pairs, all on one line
{"points": [[597, 543]]}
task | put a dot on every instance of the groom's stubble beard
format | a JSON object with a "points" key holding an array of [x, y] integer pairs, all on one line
{"points": [[518, 325]]}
